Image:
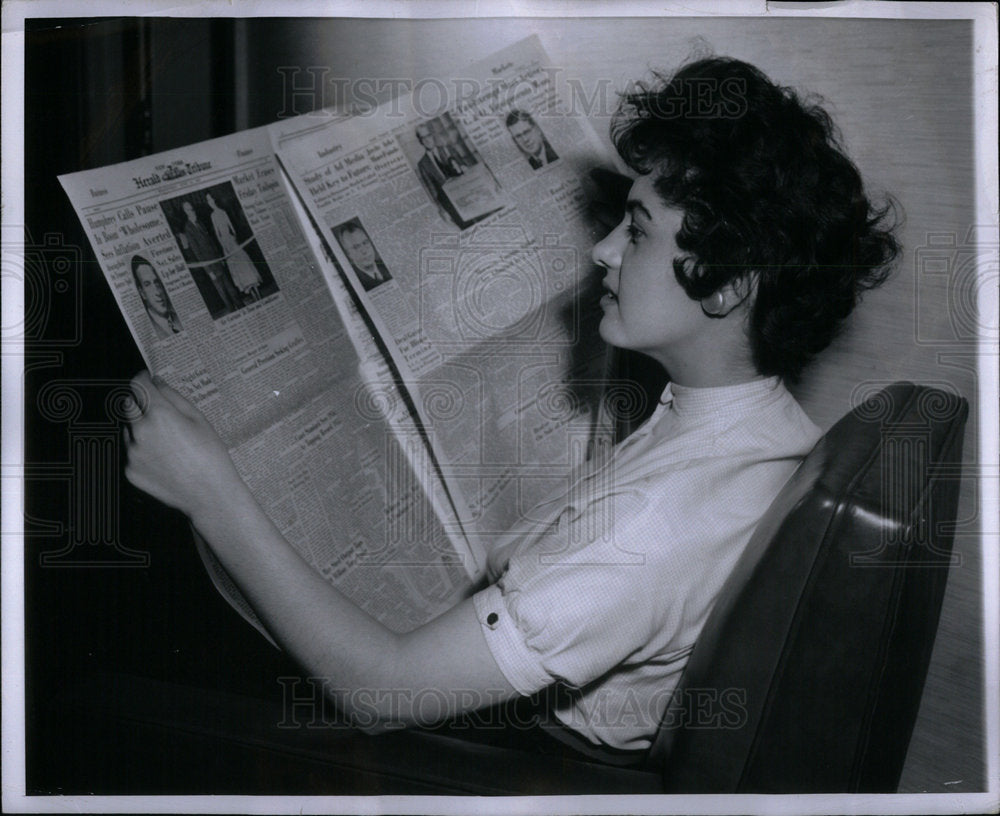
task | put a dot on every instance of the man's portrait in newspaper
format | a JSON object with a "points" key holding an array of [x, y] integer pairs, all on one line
{"points": [[453, 174], [155, 299], [361, 252], [530, 140]]}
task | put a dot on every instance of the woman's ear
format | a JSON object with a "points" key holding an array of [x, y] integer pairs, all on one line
{"points": [[730, 296]]}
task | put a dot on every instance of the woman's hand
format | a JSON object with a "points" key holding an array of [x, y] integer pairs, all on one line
{"points": [[173, 452]]}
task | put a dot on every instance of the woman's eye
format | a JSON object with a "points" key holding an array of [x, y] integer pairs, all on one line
{"points": [[633, 232]]}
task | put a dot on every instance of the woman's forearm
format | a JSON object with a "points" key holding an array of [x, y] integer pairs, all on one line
{"points": [[176, 456], [321, 628], [368, 670]]}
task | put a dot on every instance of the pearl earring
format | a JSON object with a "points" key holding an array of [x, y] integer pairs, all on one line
{"points": [[714, 305]]}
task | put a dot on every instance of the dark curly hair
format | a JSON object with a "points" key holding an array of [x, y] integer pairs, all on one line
{"points": [[768, 196]]}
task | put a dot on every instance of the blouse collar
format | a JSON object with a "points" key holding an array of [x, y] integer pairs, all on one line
{"points": [[691, 402]]}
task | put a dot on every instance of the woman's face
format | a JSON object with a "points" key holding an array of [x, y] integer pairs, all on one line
{"points": [[645, 308]]}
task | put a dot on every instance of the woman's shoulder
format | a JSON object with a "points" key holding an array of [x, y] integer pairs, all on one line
{"points": [[773, 426]]}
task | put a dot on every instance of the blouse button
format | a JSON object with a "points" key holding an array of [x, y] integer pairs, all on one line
{"points": [[492, 619]]}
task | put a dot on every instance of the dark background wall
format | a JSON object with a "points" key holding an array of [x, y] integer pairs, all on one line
{"points": [[112, 581]]}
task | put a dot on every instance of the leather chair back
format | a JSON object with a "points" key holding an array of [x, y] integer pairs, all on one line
{"points": [[809, 672]]}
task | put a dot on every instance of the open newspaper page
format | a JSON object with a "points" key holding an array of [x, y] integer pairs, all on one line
{"points": [[214, 273], [465, 235]]}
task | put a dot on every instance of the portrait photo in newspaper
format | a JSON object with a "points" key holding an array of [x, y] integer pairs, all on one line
{"points": [[365, 259], [530, 140], [155, 298], [452, 172]]}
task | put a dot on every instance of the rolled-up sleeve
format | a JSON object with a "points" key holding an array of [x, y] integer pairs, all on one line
{"points": [[575, 608], [520, 664]]}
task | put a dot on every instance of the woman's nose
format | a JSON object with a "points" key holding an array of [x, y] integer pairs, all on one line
{"points": [[607, 252]]}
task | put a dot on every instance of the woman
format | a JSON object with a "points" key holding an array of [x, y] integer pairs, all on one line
{"points": [[241, 267], [746, 241]]}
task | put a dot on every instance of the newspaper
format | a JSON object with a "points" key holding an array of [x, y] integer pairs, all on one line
{"points": [[464, 227], [222, 289], [381, 315]]}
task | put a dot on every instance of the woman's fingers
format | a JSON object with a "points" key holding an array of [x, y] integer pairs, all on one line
{"points": [[173, 452], [178, 401], [131, 409], [151, 414], [142, 396], [150, 392]]}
